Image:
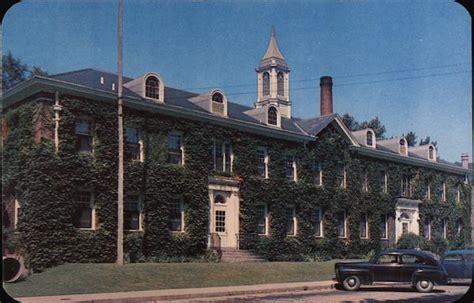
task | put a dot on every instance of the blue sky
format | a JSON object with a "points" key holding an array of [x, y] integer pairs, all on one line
{"points": [[425, 46]]}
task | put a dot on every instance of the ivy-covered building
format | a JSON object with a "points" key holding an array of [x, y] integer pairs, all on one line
{"points": [[203, 172]]}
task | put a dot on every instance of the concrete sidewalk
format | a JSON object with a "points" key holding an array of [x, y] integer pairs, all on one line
{"points": [[181, 294]]}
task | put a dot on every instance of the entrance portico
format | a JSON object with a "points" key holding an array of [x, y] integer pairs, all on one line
{"points": [[407, 216]]}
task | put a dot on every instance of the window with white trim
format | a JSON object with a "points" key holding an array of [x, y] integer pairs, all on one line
{"points": [[266, 84], [262, 219], [383, 227], [383, 181], [318, 222], [405, 186], [365, 181], [428, 190], [460, 227], [175, 148], [132, 212], [223, 156], [152, 87], [17, 214], [341, 224], [445, 229], [370, 139], [133, 143], [290, 221], [427, 228], [442, 191], [272, 116], [290, 168], [84, 210], [458, 195], [318, 173], [176, 214], [341, 175], [83, 132], [364, 226], [262, 162]]}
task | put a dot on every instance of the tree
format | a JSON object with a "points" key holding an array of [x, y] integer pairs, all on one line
{"points": [[350, 122], [14, 71], [374, 124], [427, 141], [411, 138]]}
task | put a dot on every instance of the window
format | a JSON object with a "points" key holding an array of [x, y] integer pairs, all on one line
{"points": [[458, 195], [318, 173], [280, 84], [383, 227], [222, 156], [428, 190], [266, 84], [411, 259], [364, 226], [403, 147], [341, 175], [318, 222], [175, 149], [459, 227], [84, 134], [131, 212], [262, 162], [427, 228], [341, 224], [442, 192], [404, 228], [152, 87], [445, 229], [132, 136], [17, 214], [406, 188], [220, 220], [217, 97], [365, 182], [262, 220], [83, 216], [370, 139], [385, 259], [290, 221], [383, 181], [176, 214], [431, 153], [272, 116], [219, 199], [290, 168]]}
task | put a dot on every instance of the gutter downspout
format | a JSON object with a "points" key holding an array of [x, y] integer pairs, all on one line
{"points": [[57, 108]]}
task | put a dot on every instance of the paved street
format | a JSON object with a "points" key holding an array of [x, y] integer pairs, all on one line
{"points": [[366, 294]]}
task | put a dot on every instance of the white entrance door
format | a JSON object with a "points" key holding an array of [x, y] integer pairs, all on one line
{"points": [[224, 215]]}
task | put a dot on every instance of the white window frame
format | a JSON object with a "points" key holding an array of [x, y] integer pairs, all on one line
{"points": [[344, 184], [295, 221], [445, 229], [458, 195], [266, 159], [429, 228], [385, 218], [265, 213], [365, 183], [295, 178], [408, 192], [93, 207], [224, 156], [366, 227], [320, 168], [459, 227], [140, 211], [181, 147], [181, 207], [443, 194], [141, 151], [385, 182], [319, 213], [345, 226], [16, 217], [428, 191]]}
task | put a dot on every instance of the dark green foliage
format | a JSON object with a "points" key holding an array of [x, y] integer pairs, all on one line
{"points": [[411, 241], [45, 183]]}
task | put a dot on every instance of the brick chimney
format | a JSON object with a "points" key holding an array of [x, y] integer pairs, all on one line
{"points": [[326, 95], [465, 160]]}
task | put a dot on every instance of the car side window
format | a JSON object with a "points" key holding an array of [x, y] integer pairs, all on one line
{"points": [[411, 259], [387, 259], [453, 258]]}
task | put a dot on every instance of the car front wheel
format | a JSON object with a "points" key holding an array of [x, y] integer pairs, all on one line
{"points": [[351, 283], [424, 285]]}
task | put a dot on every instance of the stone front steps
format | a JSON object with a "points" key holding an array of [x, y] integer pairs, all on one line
{"points": [[230, 255]]}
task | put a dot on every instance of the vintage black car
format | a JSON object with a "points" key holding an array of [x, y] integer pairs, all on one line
{"points": [[419, 269], [458, 263]]}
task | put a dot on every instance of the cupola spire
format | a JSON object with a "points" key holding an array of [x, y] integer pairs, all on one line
{"points": [[273, 54]]}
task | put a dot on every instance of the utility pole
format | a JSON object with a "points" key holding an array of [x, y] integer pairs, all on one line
{"points": [[120, 140]]}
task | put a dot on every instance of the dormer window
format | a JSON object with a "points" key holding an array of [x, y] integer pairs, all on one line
{"points": [[431, 153], [272, 116], [280, 84], [370, 139], [403, 146], [217, 97], [152, 87], [266, 84]]}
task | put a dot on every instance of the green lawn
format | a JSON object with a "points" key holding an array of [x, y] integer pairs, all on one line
{"points": [[96, 278]]}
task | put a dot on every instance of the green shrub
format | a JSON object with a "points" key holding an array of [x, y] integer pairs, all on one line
{"points": [[411, 241]]}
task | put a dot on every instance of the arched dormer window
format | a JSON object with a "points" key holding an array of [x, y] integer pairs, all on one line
{"points": [[280, 84], [152, 87], [266, 84], [272, 116], [431, 153], [370, 138], [217, 97], [403, 146]]}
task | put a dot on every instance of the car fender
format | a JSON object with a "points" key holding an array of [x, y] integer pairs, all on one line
{"points": [[435, 275], [362, 273]]}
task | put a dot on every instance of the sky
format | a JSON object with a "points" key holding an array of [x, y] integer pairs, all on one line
{"points": [[406, 62]]}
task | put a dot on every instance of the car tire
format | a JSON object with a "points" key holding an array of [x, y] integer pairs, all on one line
{"points": [[351, 283], [424, 285]]}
